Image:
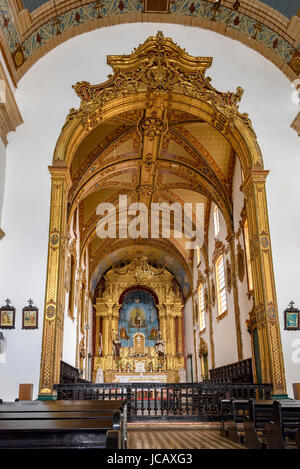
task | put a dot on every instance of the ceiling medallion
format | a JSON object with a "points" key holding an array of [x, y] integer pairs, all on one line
{"points": [[152, 126]]}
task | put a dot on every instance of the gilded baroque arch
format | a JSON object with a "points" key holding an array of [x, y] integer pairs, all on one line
{"points": [[159, 77]]}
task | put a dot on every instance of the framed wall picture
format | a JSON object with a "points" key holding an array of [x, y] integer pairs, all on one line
{"points": [[7, 316], [291, 318], [30, 316]]}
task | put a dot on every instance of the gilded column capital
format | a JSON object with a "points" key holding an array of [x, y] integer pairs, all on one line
{"points": [[254, 175], [61, 172]]}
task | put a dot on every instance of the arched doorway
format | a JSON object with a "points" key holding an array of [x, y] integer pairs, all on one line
{"points": [[166, 99]]}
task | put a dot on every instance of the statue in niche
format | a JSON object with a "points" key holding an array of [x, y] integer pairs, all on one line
{"points": [[160, 346], [99, 376], [100, 349], [137, 320], [117, 346], [139, 343], [123, 333], [153, 334]]}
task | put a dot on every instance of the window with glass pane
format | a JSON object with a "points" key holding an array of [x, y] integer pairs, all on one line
{"points": [[221, 285], [216, 220], [198, 255]]}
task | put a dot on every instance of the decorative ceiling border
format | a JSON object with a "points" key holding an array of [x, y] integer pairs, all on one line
{"points": [[26, 45]]}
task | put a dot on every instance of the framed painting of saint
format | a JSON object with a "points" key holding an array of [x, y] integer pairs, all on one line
{"points": [[292, 318], [30, 316], [7, 316]]}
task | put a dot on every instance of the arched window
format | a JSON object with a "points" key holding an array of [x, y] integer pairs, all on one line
{"points": [[198, 255], [201, 307], [248, 258], [221, 286], [216, 220]]}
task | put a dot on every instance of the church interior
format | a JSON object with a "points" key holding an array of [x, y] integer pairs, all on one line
{"points": [[149, 154]]}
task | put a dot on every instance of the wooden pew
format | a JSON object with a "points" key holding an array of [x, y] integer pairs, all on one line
{"points": [[59, 406], [226, 414], [298, 438], [260, 413], [62, 424], [281, 431], [232, 420]]}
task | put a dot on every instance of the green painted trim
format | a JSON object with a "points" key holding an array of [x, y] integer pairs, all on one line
{"points": [[278, 397], [49, 397]]}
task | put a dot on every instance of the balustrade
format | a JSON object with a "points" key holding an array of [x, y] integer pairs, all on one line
{"points": [[190, 401]]}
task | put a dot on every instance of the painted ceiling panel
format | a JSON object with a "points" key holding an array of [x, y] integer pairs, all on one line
{"points": [[33, 4], [214, 142], [156, 256], [288, 8]]}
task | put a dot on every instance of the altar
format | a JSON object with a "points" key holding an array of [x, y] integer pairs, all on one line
{"points": [[139, 326], [140, 378], [167, 376]]}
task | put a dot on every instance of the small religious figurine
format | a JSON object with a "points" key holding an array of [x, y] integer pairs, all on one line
{"points": [[137, 320], [100, 345], [117, 346], [99, 376], [160, 346]]}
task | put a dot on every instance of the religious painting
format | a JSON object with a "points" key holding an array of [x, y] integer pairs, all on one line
{"points": [[291, 318], [213, 293], [30, 316], [240, 263], [228, 276], [138, 318], [7, 316]]}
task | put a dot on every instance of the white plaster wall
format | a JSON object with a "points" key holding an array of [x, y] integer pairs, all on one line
{"points": [[245, 304], [224, 331], [189, 338], [70, 334], [2, 175], [45, 95]]}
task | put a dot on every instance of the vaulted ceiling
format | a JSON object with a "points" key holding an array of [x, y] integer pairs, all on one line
{"points": [[108, 164]]}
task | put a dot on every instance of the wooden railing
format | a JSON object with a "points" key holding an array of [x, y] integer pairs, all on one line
{"points": [[190, 401], [239, 372], [69, 374]]}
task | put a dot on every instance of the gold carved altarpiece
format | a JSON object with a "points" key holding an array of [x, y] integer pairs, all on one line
{"points": [[158, 279]]}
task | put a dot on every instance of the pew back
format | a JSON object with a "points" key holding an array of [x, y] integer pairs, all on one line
{"points": [[62, 424]]}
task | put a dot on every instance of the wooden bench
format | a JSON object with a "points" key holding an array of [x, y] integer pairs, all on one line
{"points": [[298, 438], [62, 424], [281, 431], [260, 413], [233, 412]]}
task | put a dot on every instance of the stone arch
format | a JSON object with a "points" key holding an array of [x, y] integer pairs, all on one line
{"points": [[139, 287]]}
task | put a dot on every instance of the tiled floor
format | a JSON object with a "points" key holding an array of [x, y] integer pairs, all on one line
{"points": [[169, 437]]}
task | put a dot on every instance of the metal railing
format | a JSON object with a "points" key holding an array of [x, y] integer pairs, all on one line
{"points": [[190, 401]]}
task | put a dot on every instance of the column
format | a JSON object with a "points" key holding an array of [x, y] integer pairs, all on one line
{"points": [[97, 343], [172, 336], [53, 313], [180, 344], [266, 312]]}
